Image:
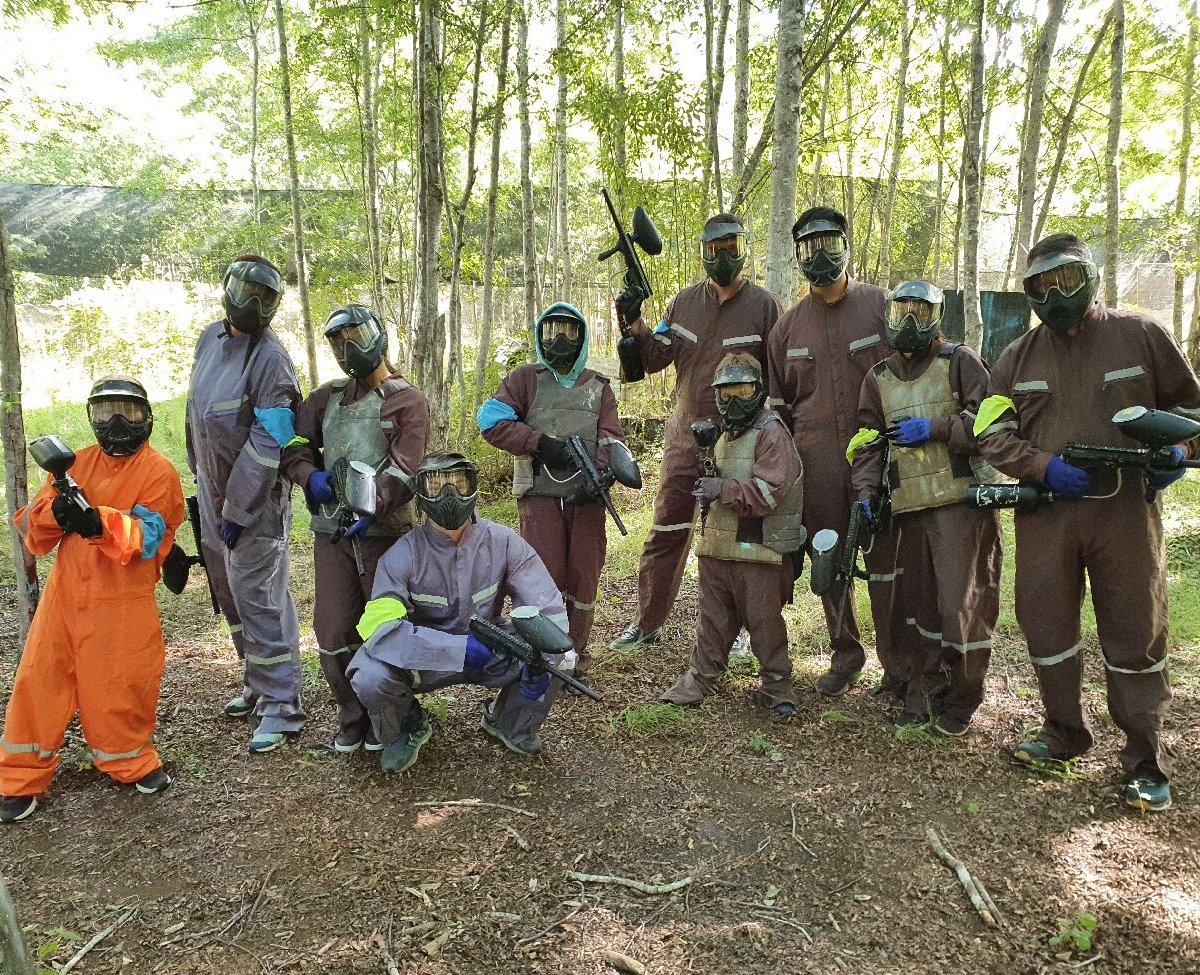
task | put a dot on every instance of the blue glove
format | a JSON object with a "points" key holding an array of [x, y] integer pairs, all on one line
{"points": [[360, 527], [533, 686], [1067, 479], [1162, 479], [865, 505], [320, 487], [910, 432], [478, 656], [230, 532]]}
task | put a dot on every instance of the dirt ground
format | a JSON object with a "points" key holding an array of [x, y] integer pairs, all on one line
{"points": [[804, 840]]}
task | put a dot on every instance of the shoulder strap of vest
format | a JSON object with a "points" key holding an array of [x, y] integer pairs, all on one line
{"points": [[879, 368], [339, 384], [764, 418], [947, 350]]}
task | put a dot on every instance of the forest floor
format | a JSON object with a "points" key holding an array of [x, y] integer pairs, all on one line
{"points": [[804, 839]]}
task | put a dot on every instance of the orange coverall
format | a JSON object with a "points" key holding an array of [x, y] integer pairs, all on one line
{"points": [[96, 643]]}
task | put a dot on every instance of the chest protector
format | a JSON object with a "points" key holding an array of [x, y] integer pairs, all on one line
{"points": [[562, 413], [353, 431], [726, 536], [927, 476]]}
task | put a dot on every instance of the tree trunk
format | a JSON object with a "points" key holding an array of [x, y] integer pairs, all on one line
{"points": [[1187, 240], [741, 89], [487, 315], [936, 238], [1064, 130], [429, 328], [786, 140], [850, 166], [715, 27], [562, 197], [16, 475], [1112, 158], [528, 244], [889, 205], [368, 134], [619, 90], [252, 29], [973, 186], [310, 339]]}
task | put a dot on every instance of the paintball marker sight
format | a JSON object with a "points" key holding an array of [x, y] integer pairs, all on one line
{"points": [[55, 458], [706, 433], [645, 235]]}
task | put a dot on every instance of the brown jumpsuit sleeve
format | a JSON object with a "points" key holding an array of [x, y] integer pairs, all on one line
{"points": [[969, 380], [516, 436], [1002, 445], [609, 428], [1174, 380], [299, 460], [656, 354], [776, 356], [867, 468], [404, 416], [776, 467]]}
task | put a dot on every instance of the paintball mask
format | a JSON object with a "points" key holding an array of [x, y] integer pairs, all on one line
{"points": [[821, 251], [358, 339], [739, 391], [1061, 287], [914, 312], [253, 290], [723, 247], [560, 331], [447, 485], [120, 414]]}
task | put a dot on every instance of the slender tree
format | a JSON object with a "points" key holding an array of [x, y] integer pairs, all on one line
{"points": [[562, 196], [1185, 151], [889, 202], [528, 249], [1112, 157], [784, 154], [973, 184], [741, 88], [368, 130]]}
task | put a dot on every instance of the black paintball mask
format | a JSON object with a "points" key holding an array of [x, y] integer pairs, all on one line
{"points": [[1061, 283], [739, 392], [723, 248], [560, 334], [821, 251], [446, 487], [358, 339], [120, 414], [253, 289], [914, 312]]}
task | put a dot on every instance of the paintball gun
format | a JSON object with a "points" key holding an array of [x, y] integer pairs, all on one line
{"points": [[178, 564], [536, 637], [1156, 430], [645, 235], [55, 458], [353, 486], [706, 434], [623, 470]]}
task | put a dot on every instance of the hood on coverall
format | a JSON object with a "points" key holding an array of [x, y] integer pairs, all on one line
{"points": [[562, 309]]}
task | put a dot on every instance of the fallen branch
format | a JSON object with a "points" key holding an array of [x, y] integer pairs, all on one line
{"points": [[848, 884], [547, 930], [790, 924], [623, 963], [638, 885], [477, 802], [964, 877], [797, 838], [82, 952]]}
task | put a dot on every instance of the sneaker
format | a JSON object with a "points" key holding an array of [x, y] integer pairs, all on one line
{"points": [[347, 742], [1148, 793], [239, 707], [1032, 752], [951, 726], [15, 808], [532, 747], [266, 741], [833, 684], [401, 755], [909, 719], [635, 637], [372, 744], [152, 782], [784, 709]]}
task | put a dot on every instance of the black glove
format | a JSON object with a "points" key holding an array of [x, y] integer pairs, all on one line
{"points": [[629, 304], [554, 453], [72, 518]]}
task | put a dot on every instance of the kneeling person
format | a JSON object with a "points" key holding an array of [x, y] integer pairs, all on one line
{"points": [[427, 587], [750, 534]]}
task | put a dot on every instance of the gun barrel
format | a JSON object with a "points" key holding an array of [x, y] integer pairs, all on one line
{"points": [[514, 647]]}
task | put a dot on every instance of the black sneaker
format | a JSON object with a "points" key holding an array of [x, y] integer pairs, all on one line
{"points": [[239, 707], [372, 744], [347, 742], [529, 747], [15, 808], [152, 782], [951, 726], [833, 684], [635, 637], [401, 755], [909, 719]]}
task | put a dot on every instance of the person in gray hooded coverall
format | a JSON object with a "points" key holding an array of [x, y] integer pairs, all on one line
{"points": [[427, 587], [240, 413]]}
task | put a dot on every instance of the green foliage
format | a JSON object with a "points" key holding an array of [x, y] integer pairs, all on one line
{"points": [[920, 734], [759, 744], [838, 717], [1075, 934], [654, 720]]}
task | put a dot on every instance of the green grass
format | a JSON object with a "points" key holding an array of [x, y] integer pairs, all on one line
{"points": [[760, 744], [838, 717], [920, 734], [654, 720]]}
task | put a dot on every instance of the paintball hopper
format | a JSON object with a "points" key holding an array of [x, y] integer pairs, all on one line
{"points": [[624, 467], [1155, 429], [644, 234], [706, 433], [824, 561], [176, 567], [354, 486], [539, 631], [52, 455]]}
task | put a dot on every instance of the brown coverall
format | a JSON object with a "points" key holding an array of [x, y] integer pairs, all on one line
{"points": [[1063, 389], [341, 593], [696, 333], [569, 538], [818, 354], [750, 594], [945, 568]]}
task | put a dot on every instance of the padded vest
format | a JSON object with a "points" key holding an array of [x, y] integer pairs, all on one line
{"points": [[562, 413]]}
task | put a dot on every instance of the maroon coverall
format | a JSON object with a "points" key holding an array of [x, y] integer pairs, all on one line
{"points": [[696, 333], [1065, 389], [945, 571], [818, 354], [736, 594], [569, 538], [341, 593]]}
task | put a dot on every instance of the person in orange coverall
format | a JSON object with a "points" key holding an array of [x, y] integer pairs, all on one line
{"points": [[96, 644]]}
